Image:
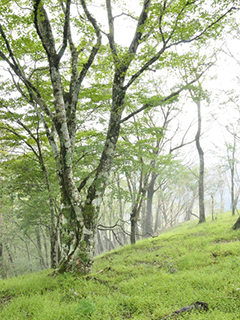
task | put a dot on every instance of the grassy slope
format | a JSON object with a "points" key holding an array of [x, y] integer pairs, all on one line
{"points": [[148, 281]]}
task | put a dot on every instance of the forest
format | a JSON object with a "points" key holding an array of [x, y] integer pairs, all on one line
{"points": [[117, 121]]}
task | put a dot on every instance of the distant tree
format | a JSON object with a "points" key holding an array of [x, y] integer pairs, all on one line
{"points": [[197, 100], [198, 95], [30, 170], [176, 194], [231, 159]]}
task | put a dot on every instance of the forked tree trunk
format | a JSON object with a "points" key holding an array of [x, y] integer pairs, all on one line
{"points": [[79, 219]]}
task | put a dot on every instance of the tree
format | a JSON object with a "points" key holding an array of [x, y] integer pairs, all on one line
{"points": [[47, 72], [197, 100], [233, 101], [30, 172], [231, 150], [198, 95], [135, 162], [177, 188]]}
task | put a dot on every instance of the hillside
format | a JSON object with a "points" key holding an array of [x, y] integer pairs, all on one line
{"points": [[150, 280]]}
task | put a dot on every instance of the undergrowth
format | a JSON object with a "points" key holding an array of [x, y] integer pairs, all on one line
{"points": [[150, 280]]}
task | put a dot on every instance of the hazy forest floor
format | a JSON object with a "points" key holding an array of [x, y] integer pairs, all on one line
{"points": [[150, 280]]}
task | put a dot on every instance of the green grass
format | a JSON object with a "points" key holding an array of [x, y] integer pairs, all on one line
{"points": [[146, 281]]}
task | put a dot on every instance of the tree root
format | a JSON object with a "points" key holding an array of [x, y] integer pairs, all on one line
{"points": [[200, 306]]}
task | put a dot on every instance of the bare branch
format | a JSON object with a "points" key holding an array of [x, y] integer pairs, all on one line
{"points": [[197, 37], [125, 14], [144, 68], [21, 138], [160, 102], [165, 46], [95, 48], [183, 143], [176, 20], [83, 183], [138, 33], [33, 91], [110, 35], [65, 31], [36, 70], [14, 64]]}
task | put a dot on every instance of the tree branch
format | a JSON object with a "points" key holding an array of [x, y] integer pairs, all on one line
{"points": [[34, 92], [65, 31], [125, 14], [110, 35], [157, 56], [160, 102], [138, 33], [95, 48], [195, 306], [44, 30], [197, 37], [83, 183]]}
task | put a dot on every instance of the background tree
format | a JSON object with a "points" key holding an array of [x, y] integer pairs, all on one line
{"points": [[198, 95]]}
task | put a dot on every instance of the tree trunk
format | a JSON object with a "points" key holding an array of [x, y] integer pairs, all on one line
{"points": [[45, 243], [39, 247], [232, 169], [201, 166], [29, 257], [133, 228], [121, 207], [143, 185], [164, 212], [212, 205], [79, 220], [100, 244], [237, 224], [143, 217], [190, 207], [54, 246], [149, 215], [158, 223], [232, 192], [222, 201]]}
